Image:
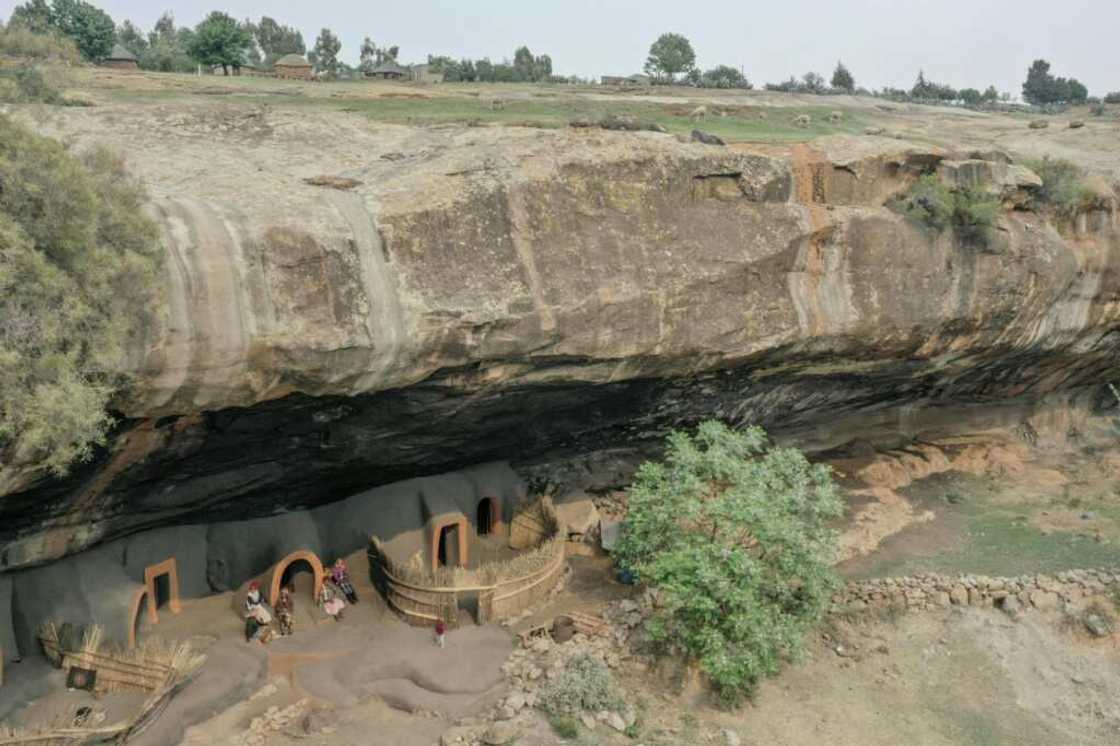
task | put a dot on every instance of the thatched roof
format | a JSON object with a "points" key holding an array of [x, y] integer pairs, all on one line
{"points": [[120, 53], [292, 60], [389, 68]]}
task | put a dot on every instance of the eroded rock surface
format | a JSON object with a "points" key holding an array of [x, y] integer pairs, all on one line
{"points": [[531, 294]]}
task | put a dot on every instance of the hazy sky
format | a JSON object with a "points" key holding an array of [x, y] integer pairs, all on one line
{"points": [[884, 42]]}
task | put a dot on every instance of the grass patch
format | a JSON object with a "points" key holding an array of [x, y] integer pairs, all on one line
{"points": [[1066, 189], [564, 726], [971, 535]]}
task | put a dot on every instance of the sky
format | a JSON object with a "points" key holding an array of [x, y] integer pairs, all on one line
{"points": [[884, 42]]}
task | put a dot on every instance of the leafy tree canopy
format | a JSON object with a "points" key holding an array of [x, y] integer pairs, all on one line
{"points": [[669, 56], [90, 27], [219, 40], [277, 40], [733, 533], [325, 54], [723, 76], [842, 78], [1042, 88], [78, 286]]}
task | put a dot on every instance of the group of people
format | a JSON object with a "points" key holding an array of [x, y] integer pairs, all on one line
{"points": [[337, 591]]}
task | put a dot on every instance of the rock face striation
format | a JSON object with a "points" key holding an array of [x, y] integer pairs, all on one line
{"points": [[523, 294]]}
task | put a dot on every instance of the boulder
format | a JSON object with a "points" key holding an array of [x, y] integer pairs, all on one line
{"points": [[1098, 625], [706, 138], [1076, 124], [577, 512], [1039, 124], [608, 533], [501, 733], [616, 721], [460, 735]]}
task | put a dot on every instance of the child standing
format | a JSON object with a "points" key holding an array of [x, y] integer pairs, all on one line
{"points": [[441, 630]]}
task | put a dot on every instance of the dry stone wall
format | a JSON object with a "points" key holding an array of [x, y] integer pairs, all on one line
{"points": [[1072, 588]]}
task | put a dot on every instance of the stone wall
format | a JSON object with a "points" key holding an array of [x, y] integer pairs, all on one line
{"points": [[1072, 588]]}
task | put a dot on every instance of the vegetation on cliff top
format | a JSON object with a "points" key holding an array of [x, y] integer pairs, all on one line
{"points": [[733, 534], [78, 278], [971, 213]]}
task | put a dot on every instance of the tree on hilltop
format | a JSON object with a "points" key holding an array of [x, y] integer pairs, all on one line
{"points": [[1042, 88], [219, 40], [91, 28], [325, 54], [669, 56], [842, 78]]}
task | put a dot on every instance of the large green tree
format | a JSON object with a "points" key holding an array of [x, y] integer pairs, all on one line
{"points": [[131, 38], [168, 47], [219, 40], [91, 28], [670, 56], [1041, 87], [78, 288], [277, 40], [734, 535], [325, 54], [842, 78], [723, 76]]}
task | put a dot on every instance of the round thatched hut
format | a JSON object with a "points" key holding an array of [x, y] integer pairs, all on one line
{"points": [[293, 66], [121, 59]]}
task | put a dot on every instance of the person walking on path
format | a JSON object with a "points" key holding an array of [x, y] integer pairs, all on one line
{"points": [[441, 630]]}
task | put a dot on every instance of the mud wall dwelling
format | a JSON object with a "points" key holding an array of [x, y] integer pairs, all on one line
{"points": [[114, 583]]}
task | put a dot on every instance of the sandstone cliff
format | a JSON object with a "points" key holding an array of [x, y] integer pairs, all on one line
{"points": [[527, 294]]}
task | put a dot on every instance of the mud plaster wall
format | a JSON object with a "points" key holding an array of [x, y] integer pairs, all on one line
{"points": [[8, 650], [98, 585], [91, 587]]}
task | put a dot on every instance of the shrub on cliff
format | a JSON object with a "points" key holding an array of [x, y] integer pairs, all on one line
{"points": [[732, 533], [971, 213], [78, 272], [1066, 189]]}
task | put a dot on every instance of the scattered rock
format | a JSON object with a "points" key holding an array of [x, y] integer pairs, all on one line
{"points": [[459, 736], [1098, 625], [873, 131], [320, 722], [706, 138], [577, 511], [334, 182], [1076, 124], [1039, 124], [501, 733], [608, 533]]}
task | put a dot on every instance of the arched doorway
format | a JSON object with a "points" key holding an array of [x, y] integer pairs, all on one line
{"points": [[484, 520], [281, 567], [449, 543]]}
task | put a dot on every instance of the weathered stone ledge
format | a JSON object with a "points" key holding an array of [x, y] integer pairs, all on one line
{"points": [[1068, 589]]}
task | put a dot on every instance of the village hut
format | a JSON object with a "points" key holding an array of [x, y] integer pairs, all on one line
{"points": [[390, 71], [121, 59], [293, 66]]}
